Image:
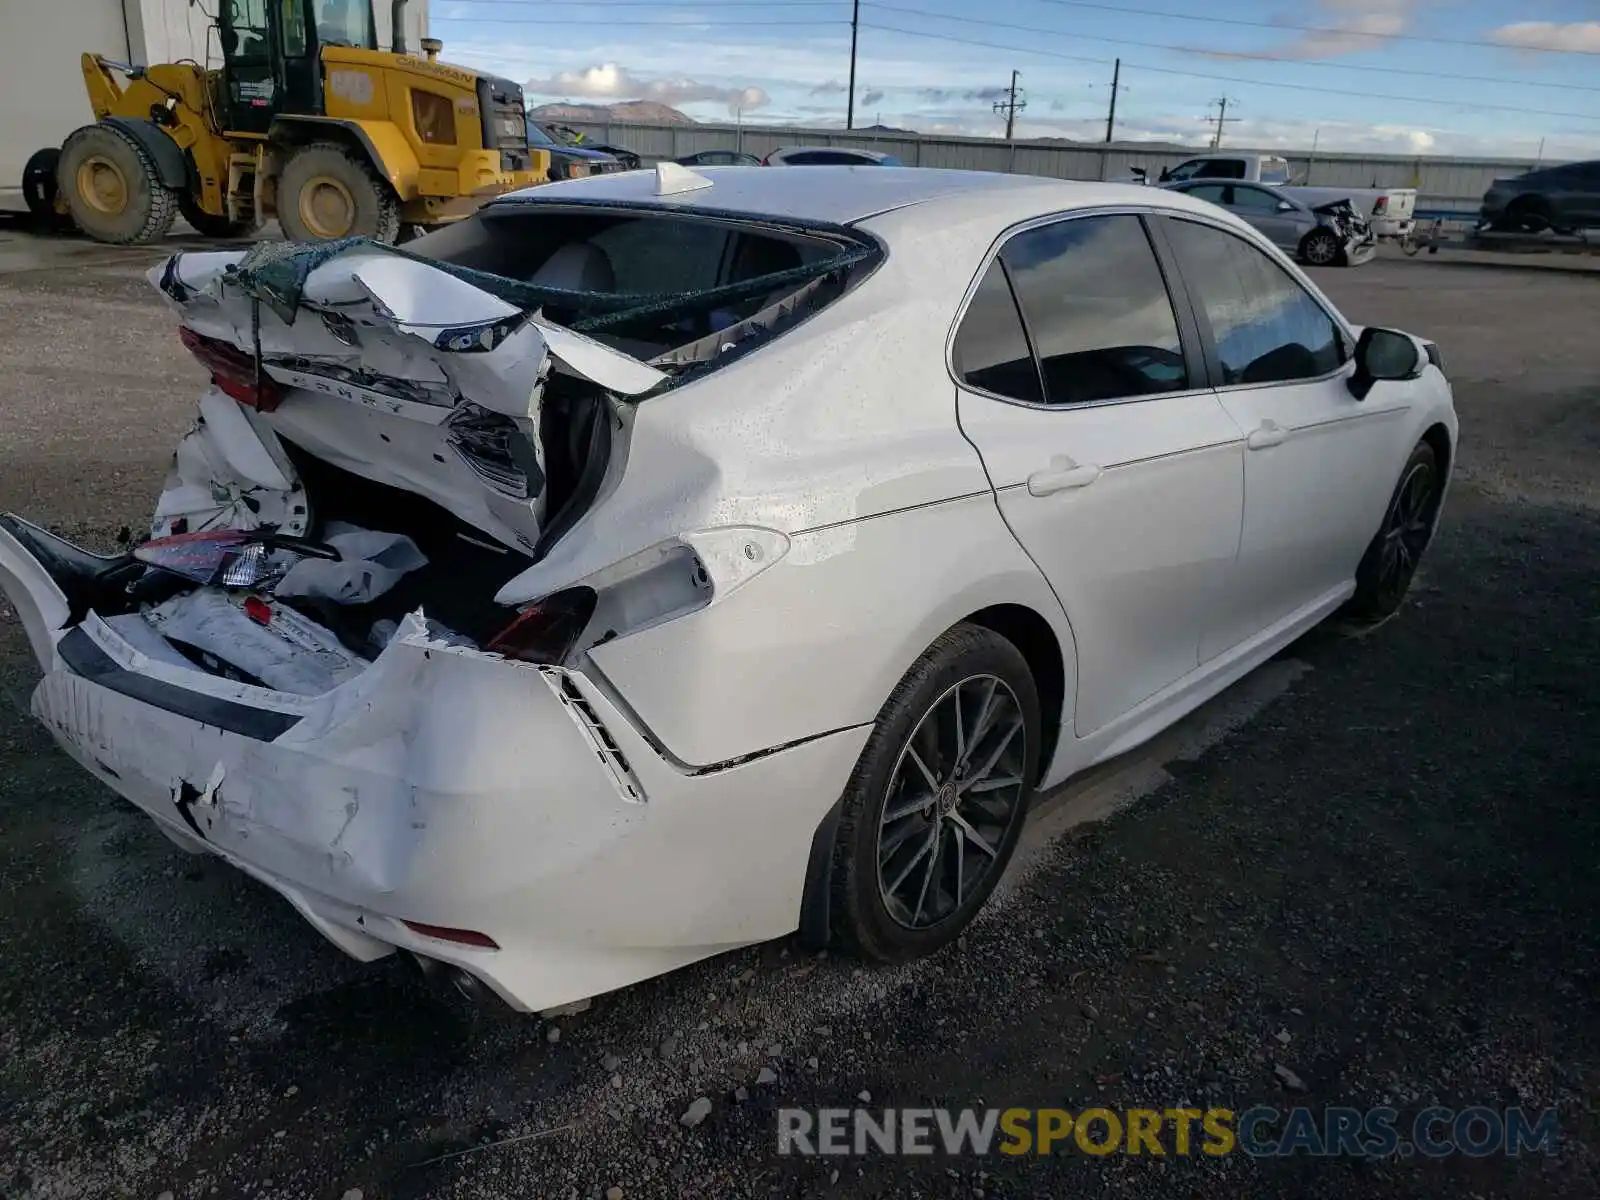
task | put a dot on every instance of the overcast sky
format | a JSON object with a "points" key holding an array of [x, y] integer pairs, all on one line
{"points": [[1437, 76]]}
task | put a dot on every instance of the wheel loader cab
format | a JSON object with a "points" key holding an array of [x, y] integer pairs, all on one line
{"points": [[271, 54], [272, 50]]}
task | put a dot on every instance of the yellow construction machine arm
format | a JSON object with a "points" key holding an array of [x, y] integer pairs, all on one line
{"points": [[105, 93]]}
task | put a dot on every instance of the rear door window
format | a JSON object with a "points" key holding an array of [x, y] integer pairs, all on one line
{"points": [[1266, 327], [1217, 193], [991, 350], [1096, 309]]}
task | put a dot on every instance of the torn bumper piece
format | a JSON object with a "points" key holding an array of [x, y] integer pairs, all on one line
{"points": [[449, 788]]}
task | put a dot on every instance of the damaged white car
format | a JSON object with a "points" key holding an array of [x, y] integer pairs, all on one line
{"points": [[660, 563]]}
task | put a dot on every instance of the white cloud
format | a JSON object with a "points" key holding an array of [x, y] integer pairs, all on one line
{"points": [[609, 81], [1345, 27], [1549, 35]]}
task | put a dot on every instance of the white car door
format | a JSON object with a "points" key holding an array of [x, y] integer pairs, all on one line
{"points": [[1320, 464], [1113, 463]]}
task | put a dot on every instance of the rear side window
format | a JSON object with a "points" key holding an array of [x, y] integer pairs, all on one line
{"points": [[1217, 193], [1266, 327], [991, 351], [1097, 310]]}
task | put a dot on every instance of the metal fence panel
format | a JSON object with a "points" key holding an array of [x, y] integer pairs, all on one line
{"points": [[1440, 182]]}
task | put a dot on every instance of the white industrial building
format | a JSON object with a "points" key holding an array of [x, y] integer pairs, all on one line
{"points": [[42, 97]]}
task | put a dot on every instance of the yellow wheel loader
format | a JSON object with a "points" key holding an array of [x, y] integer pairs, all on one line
{"points": [[307, 120]]}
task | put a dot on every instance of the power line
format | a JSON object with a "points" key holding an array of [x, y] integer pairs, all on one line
{"points": [[680, 4], [1297, 87], [432, 18], [1085, 37], [1286, 28]]}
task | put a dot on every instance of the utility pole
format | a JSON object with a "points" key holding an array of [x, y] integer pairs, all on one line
{"points": [[1111, 113], [855, 28], [1010, 107], [1220, 121]]}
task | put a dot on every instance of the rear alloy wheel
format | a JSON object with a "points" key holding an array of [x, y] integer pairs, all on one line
{"points": [[933, 811], [112, 188], [1320, 248], [1391, 560], [327, 192]]}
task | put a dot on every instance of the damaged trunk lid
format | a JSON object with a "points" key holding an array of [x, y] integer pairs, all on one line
{"points": [[381, 364]]}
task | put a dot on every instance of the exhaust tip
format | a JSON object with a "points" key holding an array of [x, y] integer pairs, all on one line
{"points": [[450, 982]]}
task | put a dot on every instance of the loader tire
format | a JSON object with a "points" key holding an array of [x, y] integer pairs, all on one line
{"points": [[327, 191], [112, 188], [211, 225]]}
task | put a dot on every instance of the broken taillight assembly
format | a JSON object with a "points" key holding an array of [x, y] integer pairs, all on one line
{"points": [[545, 631], [232, 558], [208, 557], [233, 371]]}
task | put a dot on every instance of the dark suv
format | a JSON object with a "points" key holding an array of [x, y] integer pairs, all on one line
{"points": [[1562, 198], [568, 161]]}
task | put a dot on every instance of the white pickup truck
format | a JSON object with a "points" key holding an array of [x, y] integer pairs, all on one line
{"points": [[1390, 211]]}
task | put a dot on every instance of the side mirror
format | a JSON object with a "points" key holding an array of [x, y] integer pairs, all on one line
{"points": [[1139, 173], [1383, 354]]}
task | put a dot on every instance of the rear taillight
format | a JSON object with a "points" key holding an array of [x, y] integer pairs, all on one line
{"points": [[205, 557], [233, 371], [545, 631], [1382, 206]]}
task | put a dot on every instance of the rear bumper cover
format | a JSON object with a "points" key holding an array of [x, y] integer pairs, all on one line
{"points": [[452, 788]]}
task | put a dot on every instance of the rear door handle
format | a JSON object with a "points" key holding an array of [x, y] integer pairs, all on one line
{"points": [[1265, 436], [1061, 475]]}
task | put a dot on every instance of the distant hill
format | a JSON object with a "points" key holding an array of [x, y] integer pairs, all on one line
{"points": [[645, 112]]}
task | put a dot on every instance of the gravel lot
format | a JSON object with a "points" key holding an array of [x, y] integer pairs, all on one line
{"points": [[1382, 846]]}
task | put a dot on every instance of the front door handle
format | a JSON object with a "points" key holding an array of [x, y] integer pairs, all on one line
{"points": [[1062, 474], [1266, 435]]}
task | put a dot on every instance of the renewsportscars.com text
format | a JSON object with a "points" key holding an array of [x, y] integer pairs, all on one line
{"points": [[1260, 1132]]}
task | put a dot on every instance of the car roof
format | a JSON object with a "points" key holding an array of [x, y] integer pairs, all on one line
{"points": [[839, 195]]}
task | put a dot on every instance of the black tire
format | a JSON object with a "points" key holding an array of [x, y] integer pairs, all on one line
{"points": [[1529, 213], [211, 225], [1320, 248], [39, 190], [361, 203], [1391, 560], [964, 657], [112, 187]]}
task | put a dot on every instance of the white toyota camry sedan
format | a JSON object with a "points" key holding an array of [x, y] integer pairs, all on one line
{"points": [[663, 562]]}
